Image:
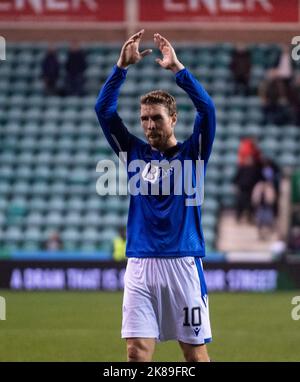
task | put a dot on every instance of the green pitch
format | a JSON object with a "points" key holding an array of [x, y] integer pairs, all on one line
{"points": [[85, 326]]}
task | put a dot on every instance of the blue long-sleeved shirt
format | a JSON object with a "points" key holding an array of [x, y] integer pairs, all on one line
{"points": [[162, 225]]}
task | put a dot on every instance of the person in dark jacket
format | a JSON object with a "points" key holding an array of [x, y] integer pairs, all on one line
{"points": [[50, 71], [241, 67], [75, 68], [246, 177]]}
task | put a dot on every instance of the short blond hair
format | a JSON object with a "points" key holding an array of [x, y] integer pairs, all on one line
{"points": [[160, 97]]}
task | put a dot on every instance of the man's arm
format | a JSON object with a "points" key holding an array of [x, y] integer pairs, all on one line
{"points": [[112, 125], [106, 105], [205, 122]]}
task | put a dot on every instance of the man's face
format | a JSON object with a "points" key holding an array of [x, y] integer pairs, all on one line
{"points": [[157, 124]]}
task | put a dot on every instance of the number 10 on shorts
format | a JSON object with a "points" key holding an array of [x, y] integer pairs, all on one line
{"points": [[192, 317]]}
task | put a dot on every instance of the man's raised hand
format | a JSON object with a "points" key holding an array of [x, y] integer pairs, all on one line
{"points": [[169, 59], [130, 51]]}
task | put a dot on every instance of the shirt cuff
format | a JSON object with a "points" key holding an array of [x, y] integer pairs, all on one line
{"points": [[178, 74], [120, 70]]}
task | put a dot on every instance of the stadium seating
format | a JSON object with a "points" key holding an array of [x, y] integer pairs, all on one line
{"points": [[50, 145]]}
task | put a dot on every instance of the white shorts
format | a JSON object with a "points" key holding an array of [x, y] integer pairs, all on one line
{"points": [[166, 299]]}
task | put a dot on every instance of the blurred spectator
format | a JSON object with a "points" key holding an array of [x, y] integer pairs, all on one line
{"points": [[241, 67], [284, 67], [270, 171], [294, 239], [294, 97], [75, 68], [246, 177], [119, 245], [263, 200], [276, 89], [53, 243], [50, 71], [248, 148], [274, 94]]}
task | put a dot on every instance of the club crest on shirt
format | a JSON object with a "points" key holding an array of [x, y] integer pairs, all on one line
{"points": [[153, 173]]}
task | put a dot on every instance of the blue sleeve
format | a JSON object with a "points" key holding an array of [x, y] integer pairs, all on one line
{"points": [[112, 125], [205, 122]]}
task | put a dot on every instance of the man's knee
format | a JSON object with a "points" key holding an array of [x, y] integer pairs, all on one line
{"points": [[195, 353], [134, 353], [139, 352]]}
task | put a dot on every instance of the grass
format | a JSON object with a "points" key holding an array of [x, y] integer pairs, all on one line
{"points": [[85, 326]]}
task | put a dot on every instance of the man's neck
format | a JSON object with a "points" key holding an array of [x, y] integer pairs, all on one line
{"points": [[172, 142]]}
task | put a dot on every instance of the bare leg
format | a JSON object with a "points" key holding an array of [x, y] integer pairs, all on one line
{"points": [[194, 353], [140, 349]]}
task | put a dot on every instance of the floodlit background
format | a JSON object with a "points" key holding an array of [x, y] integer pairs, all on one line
{"points": [[57, 234]]}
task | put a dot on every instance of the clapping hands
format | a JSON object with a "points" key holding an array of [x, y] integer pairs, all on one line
{"points": [[130, 53]]}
